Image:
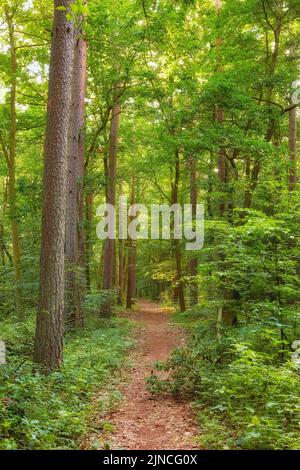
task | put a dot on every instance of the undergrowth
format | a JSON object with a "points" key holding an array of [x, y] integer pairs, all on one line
{"points": [[245, 388], [38, 412]]}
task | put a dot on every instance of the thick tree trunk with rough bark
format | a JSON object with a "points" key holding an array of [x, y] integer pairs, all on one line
{"points": [[48, 347]]}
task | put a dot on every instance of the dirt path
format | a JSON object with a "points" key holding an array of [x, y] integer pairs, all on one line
{"points": [[143, 422]]}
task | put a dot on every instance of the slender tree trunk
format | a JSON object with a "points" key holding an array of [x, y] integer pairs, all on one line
{"points": [[4, 250], [225, 314], [81, 156], [178, 289], [293, 149], [179, 285], [120, 272], [48, 347], [221, 164], [16, 252], [219, 117], [193, 202], [131, 276], [210, 185], [120, 264], [131, 261], [271, 121], [74, 248], [109, 246], [88, 241]]}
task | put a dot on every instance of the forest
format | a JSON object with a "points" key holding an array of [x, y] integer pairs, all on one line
{"points": [[116, 333]]}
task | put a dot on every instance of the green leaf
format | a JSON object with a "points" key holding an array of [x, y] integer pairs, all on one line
{"points": [[85, 10], [74, 8]]}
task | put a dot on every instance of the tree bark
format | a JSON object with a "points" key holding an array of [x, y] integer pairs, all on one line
{"points": [[48, 347], [219, 117], [109, 249], [74, 248], [88, 241], [120, 272], [120, 264], [293, 149], [109, 245], [11, 161], [193, 202], [178, 289], [3, 247], [271, 121], [131, 261], [81, 155], [225, 314]]}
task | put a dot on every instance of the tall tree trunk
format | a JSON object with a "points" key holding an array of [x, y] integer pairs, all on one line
{"points": [[211, 166], [225, 314], [48, 347], [293, 149], [120, 272], [3, 247], [88, 241], [11, 161], [120, 264], [193, 202], [178, 289], [74, 248], [81, 156], [131, 260], [219, 117], [271, 121], [109, 246]]}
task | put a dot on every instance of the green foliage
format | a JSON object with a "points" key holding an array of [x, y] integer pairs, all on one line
{"points": [[38, 412], [242, 379], [78, 9], [245, 397], [96, 301]]}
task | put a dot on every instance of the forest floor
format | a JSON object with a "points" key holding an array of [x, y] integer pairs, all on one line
{"points": [[143, 422]]}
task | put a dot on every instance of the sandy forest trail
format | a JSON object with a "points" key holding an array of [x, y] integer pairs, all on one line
{"points": [[142, 422]]}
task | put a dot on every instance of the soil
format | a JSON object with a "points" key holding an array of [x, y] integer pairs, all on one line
{"points": [[143, 422]]}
